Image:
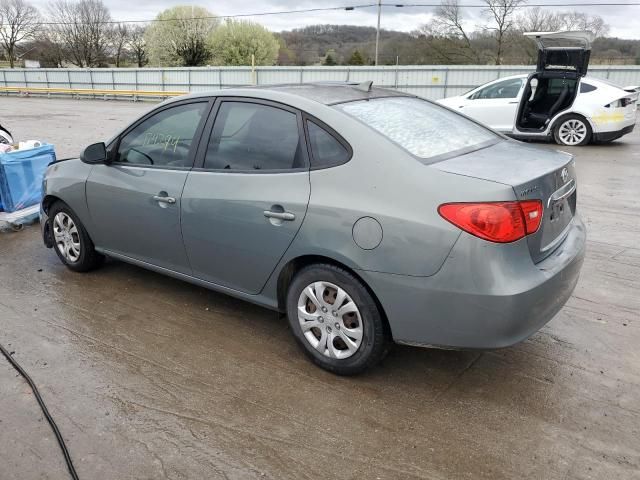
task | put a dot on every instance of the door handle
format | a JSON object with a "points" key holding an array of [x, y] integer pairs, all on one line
{"points": [[517, 101], [159, 198], [280, 215]]}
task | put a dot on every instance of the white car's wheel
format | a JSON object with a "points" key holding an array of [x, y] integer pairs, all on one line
{"points": [[5, 137], [573, 131]]}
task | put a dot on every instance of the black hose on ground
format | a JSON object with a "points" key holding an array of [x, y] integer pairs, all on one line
{"points": [[54, 427]]}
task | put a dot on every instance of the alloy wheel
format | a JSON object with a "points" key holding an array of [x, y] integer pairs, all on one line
{"points": [[67, 237], [572, 132], [330, 320]]}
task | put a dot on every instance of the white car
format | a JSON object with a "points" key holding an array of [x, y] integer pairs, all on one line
{"points": [[557, 100]]}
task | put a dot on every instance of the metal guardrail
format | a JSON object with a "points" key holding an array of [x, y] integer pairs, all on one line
{"points": [[90, 91]]}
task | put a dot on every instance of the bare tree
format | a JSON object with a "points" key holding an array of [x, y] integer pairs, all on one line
{"points": [[18, 22], [538, 20], [120, 34], [581, 21], [501, 13], [84, 29], [447, 24], [138, 46]]}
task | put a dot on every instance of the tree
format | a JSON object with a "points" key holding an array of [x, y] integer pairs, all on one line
{"points": [[356, 58], [138, 46], [18, 22], [285, 55], [120, 34], [235, 41], [501, 13], [581, 21], [52, 51], [83, 29], [329, 60], [538, 20], [180, 36], [447, 24]]}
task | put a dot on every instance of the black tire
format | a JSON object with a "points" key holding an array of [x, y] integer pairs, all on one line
{"points": [[88, 259], [5, 137], [577, 118], [375, 342]]}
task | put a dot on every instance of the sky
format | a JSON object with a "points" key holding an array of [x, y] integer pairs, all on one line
{"points": [[624, 21]]}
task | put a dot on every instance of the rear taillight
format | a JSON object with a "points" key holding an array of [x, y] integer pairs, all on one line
{"points": [[501, 222], [623, 102]]}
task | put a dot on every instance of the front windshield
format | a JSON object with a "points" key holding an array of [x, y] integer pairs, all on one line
{"points": [[424, 129]]}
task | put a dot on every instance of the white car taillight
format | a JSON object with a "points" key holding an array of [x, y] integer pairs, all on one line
{"points": [[623, 102]]}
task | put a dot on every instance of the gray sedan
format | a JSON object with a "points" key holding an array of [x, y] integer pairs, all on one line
{"points": [[367, 215]]}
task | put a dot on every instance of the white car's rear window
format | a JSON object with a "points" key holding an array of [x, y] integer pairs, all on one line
{"points": [[422, 128]]}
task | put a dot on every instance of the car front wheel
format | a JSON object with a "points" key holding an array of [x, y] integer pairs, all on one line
{"points": [[335, 320], [573, 131], [71, 240]]}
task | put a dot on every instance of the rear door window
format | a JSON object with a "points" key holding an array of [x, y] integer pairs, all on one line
{"points": [[586, 87], [251, 136], [422, 128], [326, 150]]}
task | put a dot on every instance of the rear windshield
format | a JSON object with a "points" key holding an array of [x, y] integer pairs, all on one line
{"points": [[424, 129]]}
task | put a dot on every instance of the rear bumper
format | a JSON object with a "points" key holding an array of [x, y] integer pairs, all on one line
{"points": [[608, 136], [485, 295]]}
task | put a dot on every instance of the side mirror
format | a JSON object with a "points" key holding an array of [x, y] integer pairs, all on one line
{"points": [[96, 153]]}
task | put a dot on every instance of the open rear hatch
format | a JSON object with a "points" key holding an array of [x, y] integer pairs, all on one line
{"points": [[566, 52], [534, 174]]}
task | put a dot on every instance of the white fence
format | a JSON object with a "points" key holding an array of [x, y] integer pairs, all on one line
{"points": [[429, 81]]}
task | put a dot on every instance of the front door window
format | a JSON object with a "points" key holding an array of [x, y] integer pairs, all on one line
{"points": [[164, 139]]}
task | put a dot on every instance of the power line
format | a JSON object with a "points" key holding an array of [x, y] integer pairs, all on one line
{"points": [[345, 8], [527, 5], [218, 17]]}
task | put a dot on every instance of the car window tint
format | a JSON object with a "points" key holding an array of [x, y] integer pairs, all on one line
{"points": [[586, 87], [164, 139], [251, 136], [506, 89], [326, 150], [424, 129]]}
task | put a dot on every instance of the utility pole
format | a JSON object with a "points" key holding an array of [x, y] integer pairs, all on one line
{"points": [[378, 31]]}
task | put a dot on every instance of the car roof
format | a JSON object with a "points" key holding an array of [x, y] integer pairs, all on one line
{"points": [[333, 93], [329, 93], [587, 78]]}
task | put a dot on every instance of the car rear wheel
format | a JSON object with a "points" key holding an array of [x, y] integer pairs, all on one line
{"points": [[573, 131], [335, 320], [71, 240], [5, 137]]}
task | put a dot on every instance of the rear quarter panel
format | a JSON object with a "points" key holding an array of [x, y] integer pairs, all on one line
{"points": [[385, 182], [591, 105]]}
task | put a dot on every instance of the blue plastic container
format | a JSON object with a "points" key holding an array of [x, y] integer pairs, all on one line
{"points": [[21, 174]]}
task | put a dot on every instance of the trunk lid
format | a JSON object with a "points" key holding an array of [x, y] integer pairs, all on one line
{"points": [[566, 52], [534, 174]]}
